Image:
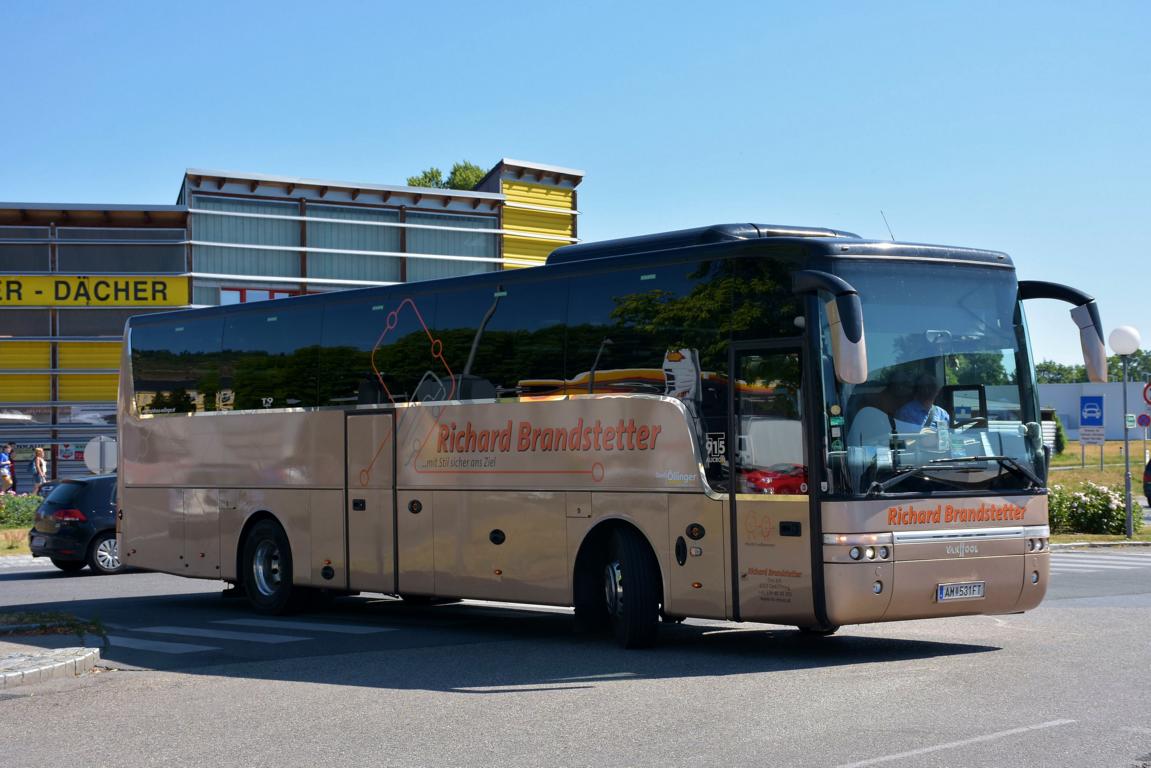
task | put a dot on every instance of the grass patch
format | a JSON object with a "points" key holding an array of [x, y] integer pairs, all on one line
{"points": [[49, 623], [1109, 476], [1112, 454], [14, 541]]}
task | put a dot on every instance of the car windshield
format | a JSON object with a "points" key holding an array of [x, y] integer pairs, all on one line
{"points": [[949, 403]]}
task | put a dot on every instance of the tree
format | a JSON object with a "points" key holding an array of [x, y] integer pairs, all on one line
{"points": [[1050, 372], [432, 177], [1060, 436], [1138, 366], [464, 175]]}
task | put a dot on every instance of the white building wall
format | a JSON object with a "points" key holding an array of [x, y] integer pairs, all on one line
{"points": [[1064, 398]]}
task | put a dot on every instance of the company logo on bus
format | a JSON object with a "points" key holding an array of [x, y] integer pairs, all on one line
{"points": [[949, 513], [525, 437]]}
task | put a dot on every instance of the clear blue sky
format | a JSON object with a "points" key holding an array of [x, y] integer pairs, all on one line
{"points": [[1019, 126]]}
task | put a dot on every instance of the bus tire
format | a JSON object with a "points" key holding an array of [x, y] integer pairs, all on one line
{"points": [[631, 589], [268, 570], [818, 631]]}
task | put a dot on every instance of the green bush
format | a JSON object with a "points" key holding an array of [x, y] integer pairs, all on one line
{"points": [[1058, 504], [18, 511], [1060, 436], [1090, 508]]}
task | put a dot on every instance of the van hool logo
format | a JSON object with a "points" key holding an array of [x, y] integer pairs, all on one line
{"points": [[525, 437], [948, 513]]}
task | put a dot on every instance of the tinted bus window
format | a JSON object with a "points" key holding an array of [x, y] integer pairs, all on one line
{"points": [[376, 349], [622, 326], [764, 306], [271, 356], [513, 334], [660, 330], [176, 365]]}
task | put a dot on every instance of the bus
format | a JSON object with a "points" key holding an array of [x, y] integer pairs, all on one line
{"points": [[721, 423]]}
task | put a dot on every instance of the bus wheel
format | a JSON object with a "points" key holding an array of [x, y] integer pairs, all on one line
{"points": [[631, 589], [268, 569], [818, 631]]}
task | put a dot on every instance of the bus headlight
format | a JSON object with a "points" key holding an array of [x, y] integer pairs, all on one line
{"points": [[855, 553], [870, 553]]}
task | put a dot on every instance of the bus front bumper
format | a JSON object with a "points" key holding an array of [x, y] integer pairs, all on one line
{"points": [[934, 579]]}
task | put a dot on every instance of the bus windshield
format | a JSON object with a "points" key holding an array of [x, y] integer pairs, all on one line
{"points": [[949, 404]]}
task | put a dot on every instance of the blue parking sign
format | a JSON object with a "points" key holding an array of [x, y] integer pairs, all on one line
{"points": [[1091, 411]]}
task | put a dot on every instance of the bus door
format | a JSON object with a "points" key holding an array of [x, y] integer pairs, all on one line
{"points": [[769, 484], [370, 501]]}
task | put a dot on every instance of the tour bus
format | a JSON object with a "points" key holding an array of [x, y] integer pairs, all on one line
{"points": [[749, 422]]}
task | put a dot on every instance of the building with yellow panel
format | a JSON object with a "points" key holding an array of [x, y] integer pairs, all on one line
{"points": [[70, 275]]}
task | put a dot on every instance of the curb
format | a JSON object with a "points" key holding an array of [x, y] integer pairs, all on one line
{"points": [[24, 667]]}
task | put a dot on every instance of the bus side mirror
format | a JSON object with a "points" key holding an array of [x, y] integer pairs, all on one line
{"points": [[1086, 316], [848, 354], [845, 319], [1091, 340]]}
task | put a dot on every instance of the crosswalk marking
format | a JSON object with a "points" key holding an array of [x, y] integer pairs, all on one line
{"points": [[1089, 562], [342, 629], [1091, 566], [157, 646], [24, 561], [222, 634], [1105, 558]]}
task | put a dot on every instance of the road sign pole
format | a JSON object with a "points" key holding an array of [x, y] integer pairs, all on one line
{"points": [[1127, 450]]}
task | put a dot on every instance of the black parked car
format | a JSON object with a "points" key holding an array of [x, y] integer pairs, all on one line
{"points": [[1147, 482], [76, 525]]}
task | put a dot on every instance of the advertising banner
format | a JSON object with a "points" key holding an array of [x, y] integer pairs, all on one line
{"points": [[93, 291]]}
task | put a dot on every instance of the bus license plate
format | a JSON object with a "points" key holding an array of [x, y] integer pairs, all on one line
{"points": [[965, 590]]}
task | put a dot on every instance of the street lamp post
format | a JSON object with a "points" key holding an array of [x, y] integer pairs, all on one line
{"points": [[1124, 342]]}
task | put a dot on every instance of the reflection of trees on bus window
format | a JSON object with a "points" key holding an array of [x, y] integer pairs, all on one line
{"points": [[170, 361], [271, 355], [177, 401], [522, 338], [353, 325]]}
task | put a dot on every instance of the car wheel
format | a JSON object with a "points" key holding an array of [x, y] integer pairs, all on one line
{"points": [[69, 566], [104, 554], [268, 570], [631, 589]]}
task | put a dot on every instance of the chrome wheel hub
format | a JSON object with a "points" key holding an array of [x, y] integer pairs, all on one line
{"points": [[266, 571]]}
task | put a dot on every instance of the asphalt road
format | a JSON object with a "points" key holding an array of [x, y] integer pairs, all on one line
{"points": [[195, 679]]}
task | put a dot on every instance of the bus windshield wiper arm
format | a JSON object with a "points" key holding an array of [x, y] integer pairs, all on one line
{"points": [[1007, 462], [957, 462], [878, 487]]}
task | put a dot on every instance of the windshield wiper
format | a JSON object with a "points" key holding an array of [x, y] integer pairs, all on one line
{"points": [[878, 487], [1007, 462], [958, 462]]}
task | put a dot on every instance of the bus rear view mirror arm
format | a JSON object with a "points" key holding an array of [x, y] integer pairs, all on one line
{"points": [[1085, 314], [845, 319]]}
